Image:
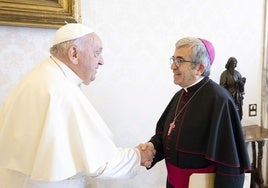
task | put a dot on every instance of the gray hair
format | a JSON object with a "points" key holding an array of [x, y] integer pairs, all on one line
{"points": [[199, 53], [60, 50]]}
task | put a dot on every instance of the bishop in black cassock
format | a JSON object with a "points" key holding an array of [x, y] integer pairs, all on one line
{"points": [[200, 131]]}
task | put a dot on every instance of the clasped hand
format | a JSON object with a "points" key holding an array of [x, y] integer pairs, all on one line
{"points": [[147, 152]]}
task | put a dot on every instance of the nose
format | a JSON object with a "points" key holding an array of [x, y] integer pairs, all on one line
{"points": [[101, 62], [173, 66]]}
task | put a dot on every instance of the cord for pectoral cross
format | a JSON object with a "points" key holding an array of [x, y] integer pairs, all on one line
{"points": [[173, 123]]}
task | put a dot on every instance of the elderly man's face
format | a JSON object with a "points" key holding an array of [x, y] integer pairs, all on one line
{"points": [[90, 57], [185, 74]]}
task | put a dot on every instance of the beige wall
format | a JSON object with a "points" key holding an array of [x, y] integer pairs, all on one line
{"points": [[135, 84]]}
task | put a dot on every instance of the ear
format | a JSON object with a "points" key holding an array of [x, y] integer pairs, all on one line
{"points": [[73, 54], [200, 69]]}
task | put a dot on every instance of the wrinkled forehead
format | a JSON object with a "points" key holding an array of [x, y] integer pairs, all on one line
{"points": [[93, 40], [97, 42]]}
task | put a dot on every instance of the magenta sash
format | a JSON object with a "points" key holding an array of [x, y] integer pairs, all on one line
{"points": [[179, 177]]}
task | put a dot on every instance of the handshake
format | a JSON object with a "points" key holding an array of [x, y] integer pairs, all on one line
{"points": [[147, 152]]}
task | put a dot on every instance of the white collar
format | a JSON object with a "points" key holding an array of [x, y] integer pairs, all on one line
{"points": [[197, 81], [68, 73]]}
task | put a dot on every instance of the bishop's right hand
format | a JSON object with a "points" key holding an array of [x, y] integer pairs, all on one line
{"points": [[147, 152]]}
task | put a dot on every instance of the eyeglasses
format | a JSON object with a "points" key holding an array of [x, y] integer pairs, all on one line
{"points": [[177, 60]]}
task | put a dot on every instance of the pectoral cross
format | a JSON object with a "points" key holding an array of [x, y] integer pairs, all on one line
{"points": [[171, 127]]}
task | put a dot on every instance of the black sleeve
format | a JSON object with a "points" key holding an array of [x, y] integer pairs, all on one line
{"points": [[157, 139]]}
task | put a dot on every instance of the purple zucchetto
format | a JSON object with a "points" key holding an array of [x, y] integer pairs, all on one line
{"points": [[210, 49]]}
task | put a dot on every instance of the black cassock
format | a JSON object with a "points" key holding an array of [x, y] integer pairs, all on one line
{"points": [[207, 137]]}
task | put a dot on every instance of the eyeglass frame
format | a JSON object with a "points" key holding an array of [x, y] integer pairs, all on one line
{"points": [[172, 59]]}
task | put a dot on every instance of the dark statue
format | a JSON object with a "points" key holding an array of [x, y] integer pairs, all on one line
{"points": [[234, 83]]}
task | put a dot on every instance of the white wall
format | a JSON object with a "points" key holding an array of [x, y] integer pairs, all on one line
{"points": [[135, 83]]}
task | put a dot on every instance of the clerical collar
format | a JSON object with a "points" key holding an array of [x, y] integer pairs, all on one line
{"points": [[68, 73], [199, 80]]}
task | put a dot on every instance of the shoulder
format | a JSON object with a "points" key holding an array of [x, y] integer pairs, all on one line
{"points": [[225, 72], [215, 90]]}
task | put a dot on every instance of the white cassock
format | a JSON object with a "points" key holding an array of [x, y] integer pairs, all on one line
{"points": [[51, 136]]}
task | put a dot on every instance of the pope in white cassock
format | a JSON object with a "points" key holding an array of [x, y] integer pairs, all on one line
{"points": [[50, 135]]}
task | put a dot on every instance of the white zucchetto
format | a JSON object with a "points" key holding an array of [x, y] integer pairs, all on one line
{"points": [[71, 31]]}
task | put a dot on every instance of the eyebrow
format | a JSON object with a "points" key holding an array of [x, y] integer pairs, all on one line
{"points": [[178, 57]]}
